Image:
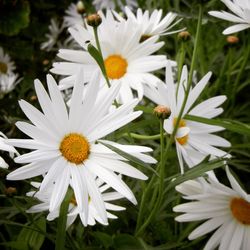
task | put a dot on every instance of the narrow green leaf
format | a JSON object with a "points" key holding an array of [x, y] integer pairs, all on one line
{"points": [[197, 171], [93, 51], [233, 126], [130, 157], [61, 224]]}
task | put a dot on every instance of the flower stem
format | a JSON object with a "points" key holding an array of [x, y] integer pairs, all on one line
{"points": [[62, 220], [104, 69], [164, 155]]}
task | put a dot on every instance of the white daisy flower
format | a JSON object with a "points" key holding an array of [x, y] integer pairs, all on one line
{"points": [[5, 147], [65, 147], [55, 29], [110, 4], [240, 15], [126, 59], [225, 209], [8, 83], [6, 65], [194, 140], [72, 16], [151, 25], [8, 79], [73, 210]]}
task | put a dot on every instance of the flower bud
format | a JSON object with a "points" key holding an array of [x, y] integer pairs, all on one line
{"points": [[184, 35], [162, 111], [232, 39], [10, 191], [94, 20], [80, 7]]}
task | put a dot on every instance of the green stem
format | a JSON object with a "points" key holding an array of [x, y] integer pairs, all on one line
{"points": [[143, 137], [181, 59], [139, 230], [243, 65], [190, 77], [62, 220], [100, 51]]}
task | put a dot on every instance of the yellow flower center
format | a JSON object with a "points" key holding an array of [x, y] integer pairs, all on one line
{"points": [[241, 210], [3, 68], [75, 148], [182, 123], [116, 66], [74, 202]]}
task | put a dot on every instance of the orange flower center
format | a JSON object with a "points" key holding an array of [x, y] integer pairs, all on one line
{"points": [[75, 148], [182, 123], [3, 68], [240, 210], [116, 66]]}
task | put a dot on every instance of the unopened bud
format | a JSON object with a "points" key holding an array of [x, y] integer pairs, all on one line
{"points": [[162, 111], [33, 98], [232, 39], [80, 7], [10, 191], [45, 62], [94, 20], [184, 35]]}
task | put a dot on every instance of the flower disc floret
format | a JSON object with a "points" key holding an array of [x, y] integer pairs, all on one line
{"points": [[3, 68], [182, 123], [75, 148], [116, 66], [240, 209]]}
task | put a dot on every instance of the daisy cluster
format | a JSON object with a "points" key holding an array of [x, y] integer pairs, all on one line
{"points": [[69, 140]]}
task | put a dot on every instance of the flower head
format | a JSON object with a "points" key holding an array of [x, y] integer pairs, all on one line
{"points": [[5, 147], [55, 29], [126, 59], [65, 147], [8, 79], [194, 140], [225, 209], [151, 25], [73, 210], [240, 15], [72, 16], [110, 4]]}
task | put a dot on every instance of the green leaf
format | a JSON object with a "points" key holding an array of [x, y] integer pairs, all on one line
{"points": [[93, 51], [105, 239], [197, 171], [126, 241], [14, 16], [233, 126], [130, 157], [30, 238], [62, 220], [33, 239]]}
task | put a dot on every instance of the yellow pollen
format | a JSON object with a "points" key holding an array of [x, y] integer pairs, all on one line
{"points": [[182, 123], [3, 68], [74, 202], [75, 148], [240, 209], [116, 66]]}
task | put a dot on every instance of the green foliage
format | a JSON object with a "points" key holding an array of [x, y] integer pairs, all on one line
{"points": [[14, 16], [23, 25]]}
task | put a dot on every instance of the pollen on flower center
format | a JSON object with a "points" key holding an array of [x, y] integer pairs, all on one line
{"points": [[240, 209], [182, 123], [3, 68], [75, 148], [116, 66]]}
